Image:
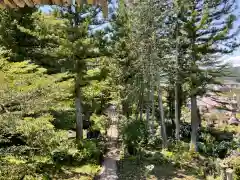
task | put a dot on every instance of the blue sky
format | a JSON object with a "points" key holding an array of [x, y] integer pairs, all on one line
{"points": [[112, 6], [233, 58]]}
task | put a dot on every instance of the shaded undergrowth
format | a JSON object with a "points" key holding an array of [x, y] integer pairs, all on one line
{"points": [[155, 166]]}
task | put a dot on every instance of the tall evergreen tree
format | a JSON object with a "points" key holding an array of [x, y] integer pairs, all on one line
{"points": [[20, 44], [123, 56], [149, 30], [69, 45], [209, 28]]}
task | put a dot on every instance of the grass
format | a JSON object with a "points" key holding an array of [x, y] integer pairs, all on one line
{"points": [[165, 165], [230, 94], [230, 128], [84, 172], [238, 115], [46, 169], [175, 163], [132, 170], [13, 160], [90, 169]]}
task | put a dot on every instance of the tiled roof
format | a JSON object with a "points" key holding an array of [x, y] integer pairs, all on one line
{"points": [[32, 3]]}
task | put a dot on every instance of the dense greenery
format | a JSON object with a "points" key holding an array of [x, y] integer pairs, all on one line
{"points": [[58, 77]]}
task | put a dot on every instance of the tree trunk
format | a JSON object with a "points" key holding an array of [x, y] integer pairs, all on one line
{"points": [[141, 101], [78, 106], [162, 118], [148, 112], [194, 117], [176, 89], [170, 101], [148, 117], [78, 101], [229, 174], [141, 110], [125, 108], [199, 118], [177, 113], [182, 100], [153, 110], [194, 123], [137, 110]]}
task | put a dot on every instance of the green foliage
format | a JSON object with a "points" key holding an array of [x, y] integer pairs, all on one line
{"points": [[216, 149], [203, 42], [12, 170], [100, 123], [234, 163], [71, 154], [135, 135], [20, 45], [31, 102], [153, 44]]}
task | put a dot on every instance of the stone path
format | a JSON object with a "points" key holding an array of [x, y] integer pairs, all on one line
{"points": [[109, 171]]}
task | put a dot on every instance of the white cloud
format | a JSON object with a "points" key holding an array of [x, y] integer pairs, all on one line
{"points": [[235, 60]]}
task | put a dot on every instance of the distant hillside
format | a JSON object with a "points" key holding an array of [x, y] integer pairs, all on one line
{"points": [[236, 71], [235, 74]]}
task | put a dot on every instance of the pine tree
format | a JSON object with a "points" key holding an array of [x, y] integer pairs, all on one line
{"points": [[69, 45], [123, 57], [151, 42], [209, 28], [28, 96], [22, 45]]}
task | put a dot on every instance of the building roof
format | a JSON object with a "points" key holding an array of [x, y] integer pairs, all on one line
{"points": [[32, 3]]}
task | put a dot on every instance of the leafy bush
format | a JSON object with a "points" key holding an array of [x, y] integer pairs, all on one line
{"points": [[179, 151], [217, 149], [155, 141], [40, 133], [71, 154], [13, 170], [35, 108], [210, 146], [99, 123], [185, 131], [234, 163], [135, 135]]}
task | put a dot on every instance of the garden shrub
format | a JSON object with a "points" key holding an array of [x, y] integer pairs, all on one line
{"points": [[71, 153], [13, 168], [37, 110], [234, 163], [210, 145], [215, 149], [99, 123], [155, 141], [135, 135], [41, 134]]}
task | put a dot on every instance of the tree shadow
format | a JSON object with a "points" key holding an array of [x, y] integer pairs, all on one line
{"points": [[65, 120], [43, 170], [60, 172], [53, 170], [185, 132], [212, 141], [137, 169], [218, 134]]}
